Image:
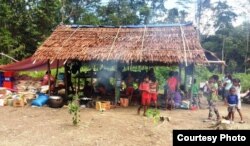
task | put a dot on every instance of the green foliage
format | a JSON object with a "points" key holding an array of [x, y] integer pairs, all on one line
{"points": [[154, 114], [224, 15], [202, 74], [231, 66], [24, 25], [74, 110], [40, 74], [244, 80], [162, 73]]}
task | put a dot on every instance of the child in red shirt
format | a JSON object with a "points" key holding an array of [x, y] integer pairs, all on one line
{"points": [[145, 95], [153, 90]]}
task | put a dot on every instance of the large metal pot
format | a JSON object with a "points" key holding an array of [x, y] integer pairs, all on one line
{"points": [[55, 102]]}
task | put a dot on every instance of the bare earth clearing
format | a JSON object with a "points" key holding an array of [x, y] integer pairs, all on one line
{"points": [[117, 127]]}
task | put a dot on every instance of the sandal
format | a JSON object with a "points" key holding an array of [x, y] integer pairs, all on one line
{"points": [[225, 117], [242, 122]]}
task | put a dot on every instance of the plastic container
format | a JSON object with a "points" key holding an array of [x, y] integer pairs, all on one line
{"points": [[8, 74], [1, 79], [102, 105], [8, 84], [9, 79]]}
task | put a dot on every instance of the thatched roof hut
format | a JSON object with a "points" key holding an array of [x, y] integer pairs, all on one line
{"points": [[162, 44]]}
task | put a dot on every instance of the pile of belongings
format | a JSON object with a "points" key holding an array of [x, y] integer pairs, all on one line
{"points": [[8, 98]]}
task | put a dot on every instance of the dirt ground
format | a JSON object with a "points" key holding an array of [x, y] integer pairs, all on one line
{"points": [[28, 126]]}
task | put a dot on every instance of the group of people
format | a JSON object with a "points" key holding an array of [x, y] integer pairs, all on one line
{"points": [[229, 89], [149, 90]]}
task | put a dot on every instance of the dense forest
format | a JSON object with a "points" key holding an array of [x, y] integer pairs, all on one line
{"points": [[25, 24]]}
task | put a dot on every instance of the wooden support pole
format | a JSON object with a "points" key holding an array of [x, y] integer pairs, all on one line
{"points": [[66, 80], [180, 73], [185, 78], [192, 83], [49, 75], [57, 66], [78, 80]]}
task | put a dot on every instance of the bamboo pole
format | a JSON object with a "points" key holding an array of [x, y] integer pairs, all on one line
{"points": [[78, 80], [192, 83], [66, 80], [49, 74], [180, 73], [8, 57], [57, 66]]}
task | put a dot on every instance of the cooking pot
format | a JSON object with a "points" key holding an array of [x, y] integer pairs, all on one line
{"points": [[55, 102]]}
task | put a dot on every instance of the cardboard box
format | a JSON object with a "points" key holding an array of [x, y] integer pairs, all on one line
{"points": [[102, 105], [124, 102], [18, 103], [3, 91]]}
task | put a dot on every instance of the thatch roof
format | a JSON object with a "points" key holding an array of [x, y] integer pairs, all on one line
{"points": [[168, 44]]}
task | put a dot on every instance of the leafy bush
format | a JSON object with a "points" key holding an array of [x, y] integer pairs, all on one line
{"points": [[162, 73], [154, 114], [244, 80], [74, 110], [202, 74]]}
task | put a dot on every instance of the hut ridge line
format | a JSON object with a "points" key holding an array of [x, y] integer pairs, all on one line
{"points": [[142, 43], [112, 46], [184, 45]]}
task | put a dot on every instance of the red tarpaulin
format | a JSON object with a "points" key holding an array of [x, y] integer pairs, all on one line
{"points": [[29, 64]]}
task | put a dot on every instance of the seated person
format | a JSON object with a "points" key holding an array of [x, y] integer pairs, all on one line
{"points": [[101, 89], [48, 77], [129, 84]]}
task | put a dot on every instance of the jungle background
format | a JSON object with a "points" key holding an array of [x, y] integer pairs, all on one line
{"points": [[25, 24]]}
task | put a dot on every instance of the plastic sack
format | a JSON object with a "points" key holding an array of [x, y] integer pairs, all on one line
{"points": [[40, 100]]}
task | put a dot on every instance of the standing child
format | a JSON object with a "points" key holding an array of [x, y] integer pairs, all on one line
{"points": [[212, 98], [232, 101], [153, 90], [195, 94], [236, 85], [145, 95]]}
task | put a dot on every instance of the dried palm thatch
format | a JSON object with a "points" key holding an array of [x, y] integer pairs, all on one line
{"points": [[165, 44]]}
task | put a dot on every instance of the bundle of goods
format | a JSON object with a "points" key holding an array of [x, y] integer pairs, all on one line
{"points": [[41, 100], [185, 104], [4, 96], [27, 85], [19, 100], [44, 89]]}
